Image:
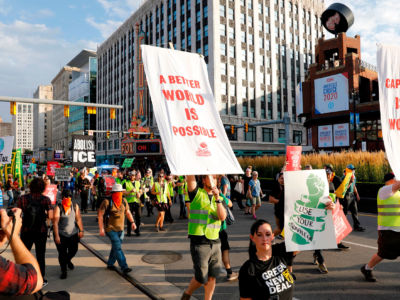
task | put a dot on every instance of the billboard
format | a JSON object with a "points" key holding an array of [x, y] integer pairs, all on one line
{"points": [[331, 93], [341, 135], [325, 138], [84, 151]]}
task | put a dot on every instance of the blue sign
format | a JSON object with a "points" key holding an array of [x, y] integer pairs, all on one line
{"points": [[357, 118], [1, 198], [351, 118]]}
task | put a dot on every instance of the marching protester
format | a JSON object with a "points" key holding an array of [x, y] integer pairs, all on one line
{"points": [[68, 229], [147, 183], [256, 193], [22, 277], [277, 197], [111, 218], [132, 195], [83, 186], [205, 217], [180, 183], [160, 190], [247, 196], [9, 190], [36, 208], [351, 199], [388, 226], [171, 187]]}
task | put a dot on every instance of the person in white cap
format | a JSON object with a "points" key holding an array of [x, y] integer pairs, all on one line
{"points": [[112, 216]]}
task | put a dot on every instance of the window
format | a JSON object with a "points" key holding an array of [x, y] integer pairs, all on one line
{"points": [[297, 137], [223, 86], [232, 72], [205, 12], [244, 74], [242, 18], [232, 51], [268, 135], [281, 133], [250, 19], [245, 109], [223, 49], [223, 69], [251, 39], [198, 17], [231, 33], [231, 13], [222, 29], [251, 57], [205, 30], [198, 35], [250, 4], [243, 37], [232, 90], [222, 10], [250, 136]]}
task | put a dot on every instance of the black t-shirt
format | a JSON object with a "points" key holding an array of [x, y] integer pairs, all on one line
{"points": [[261, 280], [196, 239], [278, 192], [336, 182], [246, 181]]}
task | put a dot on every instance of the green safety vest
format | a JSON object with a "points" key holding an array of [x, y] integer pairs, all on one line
{"points": [[131, 198], [163, 197], [389, 211], [171, 189], [151, 182], [119, 180], [186, 192], [181, 188], [203, 218]]}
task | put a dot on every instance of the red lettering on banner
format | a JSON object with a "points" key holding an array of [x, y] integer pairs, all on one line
{"points": [[200, 99], [196, 130], [180, 95], [162, 79], [392, 83], [171, 79], [394, 124], [183, 95], [169, 95], [194, 84], [397, 102]]}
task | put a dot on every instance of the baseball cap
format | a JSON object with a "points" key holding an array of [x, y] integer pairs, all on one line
{"points": [[388, 176], [329, 166], [351, 167]]}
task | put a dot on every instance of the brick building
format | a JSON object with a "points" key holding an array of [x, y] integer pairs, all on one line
{"points": [[340, 98]]}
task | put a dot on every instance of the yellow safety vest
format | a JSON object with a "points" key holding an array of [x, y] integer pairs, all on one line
{"points": [[389, 211]]}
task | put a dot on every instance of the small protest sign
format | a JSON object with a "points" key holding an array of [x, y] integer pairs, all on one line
{"points": [[51, 166], [84, 151], [342, 225], [51, 192], [6, 146], [293, 158], [127, 163], [308, 225], [62, 174]]}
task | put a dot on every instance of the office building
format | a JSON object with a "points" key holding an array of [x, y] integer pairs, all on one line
{"points": [[257, 51], [5, 128], [22, 124]]}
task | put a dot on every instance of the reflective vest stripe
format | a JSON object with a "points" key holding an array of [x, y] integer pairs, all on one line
{"points": [[197, 221], [199, 211], [389, 213], [389, 206]]}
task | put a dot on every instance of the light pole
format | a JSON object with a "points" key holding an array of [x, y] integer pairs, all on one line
{"points": [[354, 96]]}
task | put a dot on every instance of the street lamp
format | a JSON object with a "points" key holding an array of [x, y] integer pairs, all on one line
{"points": [[354, 97]]}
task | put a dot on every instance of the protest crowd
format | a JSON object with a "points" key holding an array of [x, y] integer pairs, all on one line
{"points": [[205, 202]]}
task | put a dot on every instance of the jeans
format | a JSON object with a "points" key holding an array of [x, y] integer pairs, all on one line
{"points": [[10, 198], [349, 204], [181, 200], [39, 239], [116, 253]]}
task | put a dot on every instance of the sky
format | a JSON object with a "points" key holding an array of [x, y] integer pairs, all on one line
{"points": [[37, 38]]}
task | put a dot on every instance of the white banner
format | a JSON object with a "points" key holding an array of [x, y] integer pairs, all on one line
{"points": [[388, 62], [6, 146], [331, 93], [191, 129], [308, 225], [325, 136], [299, 99], [341, 135]]}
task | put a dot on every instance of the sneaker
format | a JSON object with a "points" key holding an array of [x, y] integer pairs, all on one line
{"points": [[368, 274], [322, 268], [315, 259], [70, 266], [343, 247], [232, 276], [126, 270], [162, 229], [112, 268], [63, 275], [185, 296], [138, 233], [254, 217], [359, 229], [157, 229], [45, 283]]}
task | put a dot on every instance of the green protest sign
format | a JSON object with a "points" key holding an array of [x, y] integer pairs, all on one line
{"points": [[128, 162]]}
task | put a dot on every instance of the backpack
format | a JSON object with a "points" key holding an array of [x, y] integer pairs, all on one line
{"points": [[34, 215]]}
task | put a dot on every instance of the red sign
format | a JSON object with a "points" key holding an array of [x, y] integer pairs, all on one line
{"points": [[340, 222], [293, 158], [110, 181], [51, 192], [51, 166]]}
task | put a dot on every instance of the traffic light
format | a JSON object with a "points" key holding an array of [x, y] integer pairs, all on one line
{"points": [[108, 134], [246, 127], [152, 135], [91, 110], [232, 129], [112, 113], [13, 108], [66, 111]]}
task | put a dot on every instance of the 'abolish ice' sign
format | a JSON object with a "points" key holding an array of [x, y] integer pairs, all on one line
{"points": [[84, 154]]}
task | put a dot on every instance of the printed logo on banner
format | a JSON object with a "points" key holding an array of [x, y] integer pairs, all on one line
{"points": [[331, 93], [203, 150]]}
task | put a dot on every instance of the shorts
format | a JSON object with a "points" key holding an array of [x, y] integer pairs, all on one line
{"points": [[388, 244], [207, 261], [223, 236], [162, 206], [256, 200]]}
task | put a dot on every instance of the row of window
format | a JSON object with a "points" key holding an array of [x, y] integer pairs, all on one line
{"points": [[268, 135]]}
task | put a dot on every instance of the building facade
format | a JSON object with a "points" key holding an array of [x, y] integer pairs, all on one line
{"points": [[257, 51], [42, 124], [22, 124], [341, 98], [5, 128], [82, 89]]}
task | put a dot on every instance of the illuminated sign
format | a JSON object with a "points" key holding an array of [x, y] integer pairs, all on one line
{"points": [[141, 147]]}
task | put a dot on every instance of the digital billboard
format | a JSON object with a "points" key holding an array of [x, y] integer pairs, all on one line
{"points": [[331, 93]]}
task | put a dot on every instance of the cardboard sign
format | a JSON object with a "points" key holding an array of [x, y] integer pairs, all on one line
{"points": [[191, 129], [308, 225], [62, 174], [51, 192], [84, 151], [32, 168], [51, 166], [388, 63], [127, 162], [342, 225], [293, 158], [6, 147]]}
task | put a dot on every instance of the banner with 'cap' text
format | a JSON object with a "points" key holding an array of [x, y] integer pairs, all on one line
{"points": [[191, 130]]}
